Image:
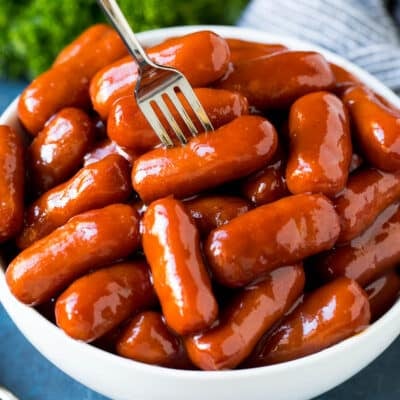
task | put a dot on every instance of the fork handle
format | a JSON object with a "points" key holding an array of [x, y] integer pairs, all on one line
{"points": [[117, 18]]}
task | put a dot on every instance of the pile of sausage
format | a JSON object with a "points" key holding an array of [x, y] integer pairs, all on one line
{"points": [[269, 239]]}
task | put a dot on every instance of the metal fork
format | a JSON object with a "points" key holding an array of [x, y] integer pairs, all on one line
{"points": [[157, 83]]}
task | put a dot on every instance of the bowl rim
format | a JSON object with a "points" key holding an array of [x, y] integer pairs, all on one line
{"points": [[23, 315]]}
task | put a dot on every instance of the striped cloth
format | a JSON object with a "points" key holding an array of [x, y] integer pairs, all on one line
{"points": [[363, 31]]}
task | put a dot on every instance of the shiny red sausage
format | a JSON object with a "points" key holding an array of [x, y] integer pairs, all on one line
{"points": [[83, 43], [67, 84], [95, 186], [377, 128], [242, 324], [148, 339], [171, 244], [12, 177], [269, 236], [277, 80], [268, 184], [368, 256], [89, 240], [202, 57], [128, 127], [343, 78], [210, 212], [367, 193], [320, 145], [98, 302], [233, 151], [105, 148], [243, 50], [383, 293], [327, 316], [57, 151]]}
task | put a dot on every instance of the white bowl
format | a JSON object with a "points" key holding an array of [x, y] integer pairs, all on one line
{"points": [[120, 378]]}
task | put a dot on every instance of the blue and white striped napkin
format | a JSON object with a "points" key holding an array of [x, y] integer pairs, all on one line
{"points": [[363, 31]]}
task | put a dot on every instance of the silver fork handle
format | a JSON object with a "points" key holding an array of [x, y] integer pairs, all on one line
{"points": [[114, 13]]}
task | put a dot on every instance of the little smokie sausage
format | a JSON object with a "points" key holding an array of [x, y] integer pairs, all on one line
{"points": [[383, 293], [105, 148], [243, 50], [233, 151], [242, 324], [268, 184], [86, 241], [202, 57], [95, 186], [98, 302], [148, 339], [327, 316], [376, 128], [367, 193], [171, 244], [291, 74], [11, 183], [210, 212], [129, 128], [368, 256], [57, 151], [320, 145], [83, 43], [272, 235], [67, 84], [343, 79]]}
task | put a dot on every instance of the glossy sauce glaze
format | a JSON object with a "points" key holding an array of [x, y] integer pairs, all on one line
{"points": [[57, 151], [276, 234], [250, 314], [67, 83], [105, 148], [210, 212], [171, 244], [202, 57], [95, 186], [328, 315], [12, 179], [243, 50], [98, 302], [376, 128], [128, 127], [291, 74], [268, 184], [368, 256], [367, 193], [383, 293], [208, 160], [148, 339], [89, 240], [320, 145]]}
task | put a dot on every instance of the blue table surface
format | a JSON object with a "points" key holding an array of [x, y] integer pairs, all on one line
{"points": [[31, 377]]}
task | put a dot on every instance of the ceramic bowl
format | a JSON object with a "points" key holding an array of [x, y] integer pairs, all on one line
{"points": [[123, 379]]}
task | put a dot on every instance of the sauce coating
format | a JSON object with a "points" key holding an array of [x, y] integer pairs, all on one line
{"points": [[98, 302], [89, 240], [57, 151], [208, 160], [328, 315], [254, 310], [320, 145], [148, 339], [291, 74], [95, 186], [128, 127], [171, 244], [12, 177], [280, 233]]}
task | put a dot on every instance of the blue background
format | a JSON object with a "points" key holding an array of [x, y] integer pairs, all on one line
{"points": [[31, 377]]}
